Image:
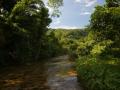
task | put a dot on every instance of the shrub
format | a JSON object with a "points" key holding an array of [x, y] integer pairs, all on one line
{"points": [[101, 47], [99, 75]]}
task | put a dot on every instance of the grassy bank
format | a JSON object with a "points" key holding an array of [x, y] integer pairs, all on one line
{"points": [[98, 74]]}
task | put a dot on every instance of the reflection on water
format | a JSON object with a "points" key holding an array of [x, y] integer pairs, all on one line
{"points": [[57, 74], [29, 77], [62, 74]]}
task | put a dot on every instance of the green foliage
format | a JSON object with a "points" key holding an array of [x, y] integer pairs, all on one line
{"points": [[7, 4], [101, 48], [51, 45], [99, 75], [60, 41], [55, 4], [105, 25], [97, 65], [22, 29], [84, 47], [113, 3]]}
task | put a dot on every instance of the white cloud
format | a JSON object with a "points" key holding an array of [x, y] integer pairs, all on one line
{"points": [[86, 6], [89, 3], [77, 1], [66, 27], [85, 13], [57, 21], [86, 3]]}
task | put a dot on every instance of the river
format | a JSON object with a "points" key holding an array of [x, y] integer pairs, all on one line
{"points": [[56, 74]]}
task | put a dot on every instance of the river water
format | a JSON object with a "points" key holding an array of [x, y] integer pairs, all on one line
{"points": [[56, 74]]}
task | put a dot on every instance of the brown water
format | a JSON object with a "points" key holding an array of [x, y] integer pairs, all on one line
{"points": [[62, 75], [56, 74]]}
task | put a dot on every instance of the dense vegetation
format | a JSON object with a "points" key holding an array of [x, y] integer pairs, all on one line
{"points": [[24, 37], [99, 52], [23, 23]]}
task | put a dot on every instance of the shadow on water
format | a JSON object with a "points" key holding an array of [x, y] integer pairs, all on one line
{"points": [[29, 77], [56, 74]]}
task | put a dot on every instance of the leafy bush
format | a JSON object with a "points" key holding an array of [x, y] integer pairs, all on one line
{"points": [[99, 75], [101, 47], [84, 47]]}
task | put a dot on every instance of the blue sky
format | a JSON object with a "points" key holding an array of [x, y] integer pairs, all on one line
{"points": [[75, 14]]}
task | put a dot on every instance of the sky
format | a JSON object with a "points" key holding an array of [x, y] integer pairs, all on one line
{"points": [[75, 14]]}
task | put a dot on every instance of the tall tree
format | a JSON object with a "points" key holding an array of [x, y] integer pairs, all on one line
{"points": [[113, 3], [105, 23], [22, 26]]}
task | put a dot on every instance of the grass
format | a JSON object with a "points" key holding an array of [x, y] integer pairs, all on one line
{"points": [[99, 74]]}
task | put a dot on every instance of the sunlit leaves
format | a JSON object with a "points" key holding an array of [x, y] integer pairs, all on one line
{"points": [[55, 3]]}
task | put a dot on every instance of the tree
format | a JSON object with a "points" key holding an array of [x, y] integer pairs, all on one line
{"points": [[22, 26], [7, 4], [55, 4], [105, 24], [112, 3]]}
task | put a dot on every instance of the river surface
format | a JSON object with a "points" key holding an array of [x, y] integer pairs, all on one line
{"points": [[55, 74]]}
